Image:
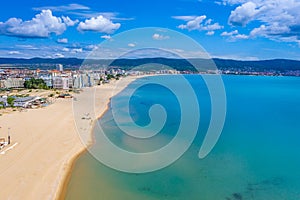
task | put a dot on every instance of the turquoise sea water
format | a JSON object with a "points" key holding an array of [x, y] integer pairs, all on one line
{"points": [[257, 156]]}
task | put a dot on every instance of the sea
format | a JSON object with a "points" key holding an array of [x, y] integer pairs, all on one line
{"points": [[257, 156]]}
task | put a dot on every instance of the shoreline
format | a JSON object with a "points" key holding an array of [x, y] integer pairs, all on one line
{"points": [[62, 190], [46, 143]]}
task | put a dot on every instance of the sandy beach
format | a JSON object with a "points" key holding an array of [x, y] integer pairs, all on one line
{"points": [[45, 142]]}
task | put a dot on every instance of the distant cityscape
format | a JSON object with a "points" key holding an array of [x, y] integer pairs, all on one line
{"points": [[71, 75]]}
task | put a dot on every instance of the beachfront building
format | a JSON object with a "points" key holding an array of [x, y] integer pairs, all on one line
{"points": [[62, 82], [82, 80], [24, 102], [27, 102], [47, 78], [12, 83], [77, 81]]}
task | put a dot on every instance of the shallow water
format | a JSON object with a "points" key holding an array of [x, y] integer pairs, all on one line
{"points": [[257, 156]]}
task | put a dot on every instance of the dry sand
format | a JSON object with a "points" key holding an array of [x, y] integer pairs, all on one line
{"points": [[45, 142]]}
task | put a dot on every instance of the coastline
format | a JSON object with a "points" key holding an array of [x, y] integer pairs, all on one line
{"points": [[62, 189], [46, 145]]}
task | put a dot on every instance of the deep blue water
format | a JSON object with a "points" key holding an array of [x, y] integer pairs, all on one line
{"points": [[256, 157]]}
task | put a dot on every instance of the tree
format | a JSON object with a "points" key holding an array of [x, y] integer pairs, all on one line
{"points": [[35, 84], [2, 104], [10, 101], [110, 76]]}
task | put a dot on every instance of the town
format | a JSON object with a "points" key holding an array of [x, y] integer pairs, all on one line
{"points": [[32, 88], [19, 83]]}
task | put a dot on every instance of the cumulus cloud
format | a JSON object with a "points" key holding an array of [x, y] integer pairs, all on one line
{"points": [[41, 26], [157, 36], [98, 24], [276, 19], [62, 40], [193, 24], [68, 21], [200, 23], [233, 35], [243, 14], [225, 33]]}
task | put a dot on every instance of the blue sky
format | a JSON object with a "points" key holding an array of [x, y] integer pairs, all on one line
{"points": [[234, 29]]}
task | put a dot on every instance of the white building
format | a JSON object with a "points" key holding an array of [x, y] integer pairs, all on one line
{"points": [[60, 67], [61, 82], [13, 83]]}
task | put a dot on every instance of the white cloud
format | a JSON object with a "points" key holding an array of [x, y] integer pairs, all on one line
{"points": [[157, 36], [235, 32], [98, 24], [241, 36], [107, 37], [65, 49], [210, 33], [199, 23], [233, 35], [78, 50], [62, 8], [14, 52], [230, 2], [243, 14], [26, 47], [276, 19], [91, 47], [68, 21], [193, 24], [58, 55], [41, 26], [185, 18], [62, 40], [108, 15], [131, 45]]}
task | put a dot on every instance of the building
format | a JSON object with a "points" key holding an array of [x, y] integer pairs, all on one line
{"points": [[25, 102], [47, 79], [13, 83], [62, 82], [83, 80], [60, 67], [3, 102]]}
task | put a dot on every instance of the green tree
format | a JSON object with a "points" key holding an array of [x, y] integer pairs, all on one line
{"points": [[35, 84], [110, 76], [2, 104], [10, 101]]}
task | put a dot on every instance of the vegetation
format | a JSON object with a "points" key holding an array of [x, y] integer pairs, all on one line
{"points": [[10, 101], [2, 104], [110, 76], [118, 76], [35, 84]]}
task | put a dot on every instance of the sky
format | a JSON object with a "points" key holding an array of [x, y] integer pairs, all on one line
{"points": [[231, 29]]}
